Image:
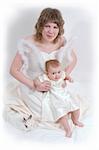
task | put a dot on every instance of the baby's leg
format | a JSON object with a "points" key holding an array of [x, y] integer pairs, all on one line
{"points": [[64, 122], [75, 118]]}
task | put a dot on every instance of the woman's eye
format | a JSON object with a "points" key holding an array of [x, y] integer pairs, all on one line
{"points": [[47, 26], [55, 27], [59, 72]]}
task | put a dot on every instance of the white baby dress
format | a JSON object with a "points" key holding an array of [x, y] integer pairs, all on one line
{"points": [[58, 101], [24, 107]]}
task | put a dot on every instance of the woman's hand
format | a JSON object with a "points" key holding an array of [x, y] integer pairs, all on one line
{"points": [[43, 86], [69, 79]]}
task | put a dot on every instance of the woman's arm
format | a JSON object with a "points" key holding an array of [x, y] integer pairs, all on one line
{"points": [[71, 66], [16, 73]]}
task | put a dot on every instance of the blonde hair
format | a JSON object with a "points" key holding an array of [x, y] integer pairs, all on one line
{"points": [[53, 63], [49, 15]]}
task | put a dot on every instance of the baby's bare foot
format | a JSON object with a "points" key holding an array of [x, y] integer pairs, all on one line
{"points": [[69, 133], [79, 124]]}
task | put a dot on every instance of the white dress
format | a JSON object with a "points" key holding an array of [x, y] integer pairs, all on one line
{"points": [[58, 101], [24, 106]]}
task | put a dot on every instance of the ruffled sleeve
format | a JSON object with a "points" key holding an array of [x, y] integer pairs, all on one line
{"points": [[23, 50], [22, 46], [64, 54]]}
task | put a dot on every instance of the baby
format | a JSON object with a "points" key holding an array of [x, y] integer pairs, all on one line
{"points": [[58, 103]]}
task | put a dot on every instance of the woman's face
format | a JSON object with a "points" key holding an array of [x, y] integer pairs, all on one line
{"points": [[50, 32]]}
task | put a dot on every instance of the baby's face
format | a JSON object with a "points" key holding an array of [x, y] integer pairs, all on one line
{"points": [[54, 73]]}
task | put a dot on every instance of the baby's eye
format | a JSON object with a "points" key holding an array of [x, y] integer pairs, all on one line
{"points": [[59, 72], [53, 73]]}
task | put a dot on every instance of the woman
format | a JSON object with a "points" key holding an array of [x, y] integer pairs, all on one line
{"points": [[47, 43]]}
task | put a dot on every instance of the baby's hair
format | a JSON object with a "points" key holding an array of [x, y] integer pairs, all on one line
{"points": [[53, 63]]}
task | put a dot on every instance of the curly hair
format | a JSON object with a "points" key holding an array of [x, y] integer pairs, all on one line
{"points": [[49, 15]]}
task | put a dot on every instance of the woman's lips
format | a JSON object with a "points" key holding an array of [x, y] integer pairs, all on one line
{"points": [[50, 36]]}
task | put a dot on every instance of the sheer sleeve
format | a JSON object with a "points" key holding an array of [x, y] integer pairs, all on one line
{"points": [[23, 50], [23, 47], [64, 54]]}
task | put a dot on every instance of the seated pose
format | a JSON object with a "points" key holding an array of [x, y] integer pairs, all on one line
{"points": [[57, 103], [24, 107]]}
